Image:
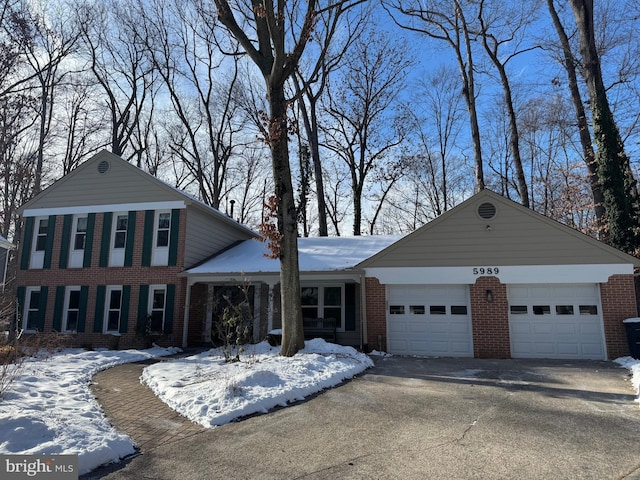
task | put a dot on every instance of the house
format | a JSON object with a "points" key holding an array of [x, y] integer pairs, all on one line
{"points": [[110, 255], [101, 252]]}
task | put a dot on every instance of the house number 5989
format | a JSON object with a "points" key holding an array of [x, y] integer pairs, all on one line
{"points": [[486, 270]]}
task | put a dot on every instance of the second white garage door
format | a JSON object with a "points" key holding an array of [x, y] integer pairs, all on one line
{"points": [[429, 320], [556, 321]]}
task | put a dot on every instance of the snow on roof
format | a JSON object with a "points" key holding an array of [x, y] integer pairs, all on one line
{"points": [[314, 255]]}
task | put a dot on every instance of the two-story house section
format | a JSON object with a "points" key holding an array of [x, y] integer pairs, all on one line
{"points": [[102, 251]]}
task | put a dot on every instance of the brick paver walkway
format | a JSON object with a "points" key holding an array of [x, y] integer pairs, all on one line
{"points": [[134, 409]]}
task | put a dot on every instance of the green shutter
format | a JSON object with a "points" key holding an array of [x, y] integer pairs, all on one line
{"points": [[124, 309], [147, 240], [168, 309], [131, 236], [27, 241], [105, 242], [20, 293], [88, 244], [143, 300], [66, 241], [58, 310], [174, 237], [99, 316], [82, 314], [42, 308], [48, 247]]}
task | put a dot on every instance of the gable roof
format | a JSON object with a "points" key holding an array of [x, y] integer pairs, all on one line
{"points": [[317, 254], [106, 179], [516, 235]]}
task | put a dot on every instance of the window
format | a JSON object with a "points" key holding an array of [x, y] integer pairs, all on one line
{"points": [[564, 309], [438, 310], [79, 233], [326, 301], [31, 318], [71, 309], [156, 307], [588, 310], [41, 234], [113, 309], [396, 310], [519, 310], [416, 309], [163, 224], [541, 310], [120, 231], [458, 309]]}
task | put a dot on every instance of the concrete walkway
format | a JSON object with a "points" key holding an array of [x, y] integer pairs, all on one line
{"points": [[134, 409]]}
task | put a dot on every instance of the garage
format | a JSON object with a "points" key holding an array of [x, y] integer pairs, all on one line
{"points": [[556, 321], [429, 320]]}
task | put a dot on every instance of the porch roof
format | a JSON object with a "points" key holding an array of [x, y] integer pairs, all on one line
{"points": [[317, 254]]}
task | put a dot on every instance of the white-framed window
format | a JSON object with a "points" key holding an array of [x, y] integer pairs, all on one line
{"points": [[113, 309], [324, 301], [41, 229], [156, 306], [161, 234], [71, 312], [118, 239], [78, 241], [31, 314]]}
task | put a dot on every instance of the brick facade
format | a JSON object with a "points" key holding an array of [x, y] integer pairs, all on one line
{"points": [[618, 298], [490, 319], [93, 276], [376, 301]]}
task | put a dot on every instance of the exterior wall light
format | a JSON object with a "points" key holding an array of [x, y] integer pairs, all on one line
{"points": [[489, 296]]}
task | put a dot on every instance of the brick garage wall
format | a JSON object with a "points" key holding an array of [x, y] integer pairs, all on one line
{"points": [[618, 297], [376, 304], [135, 276], [490, 320]]}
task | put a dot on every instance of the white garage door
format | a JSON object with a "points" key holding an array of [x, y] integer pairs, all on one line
{"points": [[556, 321], [429, 320]]}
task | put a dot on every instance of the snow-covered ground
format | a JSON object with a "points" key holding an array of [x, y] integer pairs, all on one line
{"points": [[49, 408]]}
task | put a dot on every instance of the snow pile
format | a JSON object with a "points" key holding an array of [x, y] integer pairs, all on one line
{"points": [[49, 408], [211, 392], [633, 366]]}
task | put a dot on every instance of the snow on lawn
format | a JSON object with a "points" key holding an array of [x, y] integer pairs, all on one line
{"points": [[211, 392], [49, 409], [634, 367]]}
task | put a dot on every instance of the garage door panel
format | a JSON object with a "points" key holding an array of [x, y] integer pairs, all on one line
{"points": [[572, 335], [431, 329]]}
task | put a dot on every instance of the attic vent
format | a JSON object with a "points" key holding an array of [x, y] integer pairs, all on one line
{"points": [[487, 210], [103, 166]]}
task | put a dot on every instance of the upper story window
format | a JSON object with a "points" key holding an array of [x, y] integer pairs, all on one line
{"points": [[39, 245], [118, 239], [161, 234], [78, 241]]}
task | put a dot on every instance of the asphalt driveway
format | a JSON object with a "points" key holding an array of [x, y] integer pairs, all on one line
{"points": [[416, 418]]}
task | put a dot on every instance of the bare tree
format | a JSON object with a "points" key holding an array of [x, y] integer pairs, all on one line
{"points": [[364, 129], [448, 21], [496, 32], [274, 37], [613, 166]]}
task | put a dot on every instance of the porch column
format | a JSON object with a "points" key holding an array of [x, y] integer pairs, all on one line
{"points": [[185, 325]]}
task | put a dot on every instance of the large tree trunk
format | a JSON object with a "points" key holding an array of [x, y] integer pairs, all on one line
{"points": [[291, 308], [613, 166], [581, 116]]}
